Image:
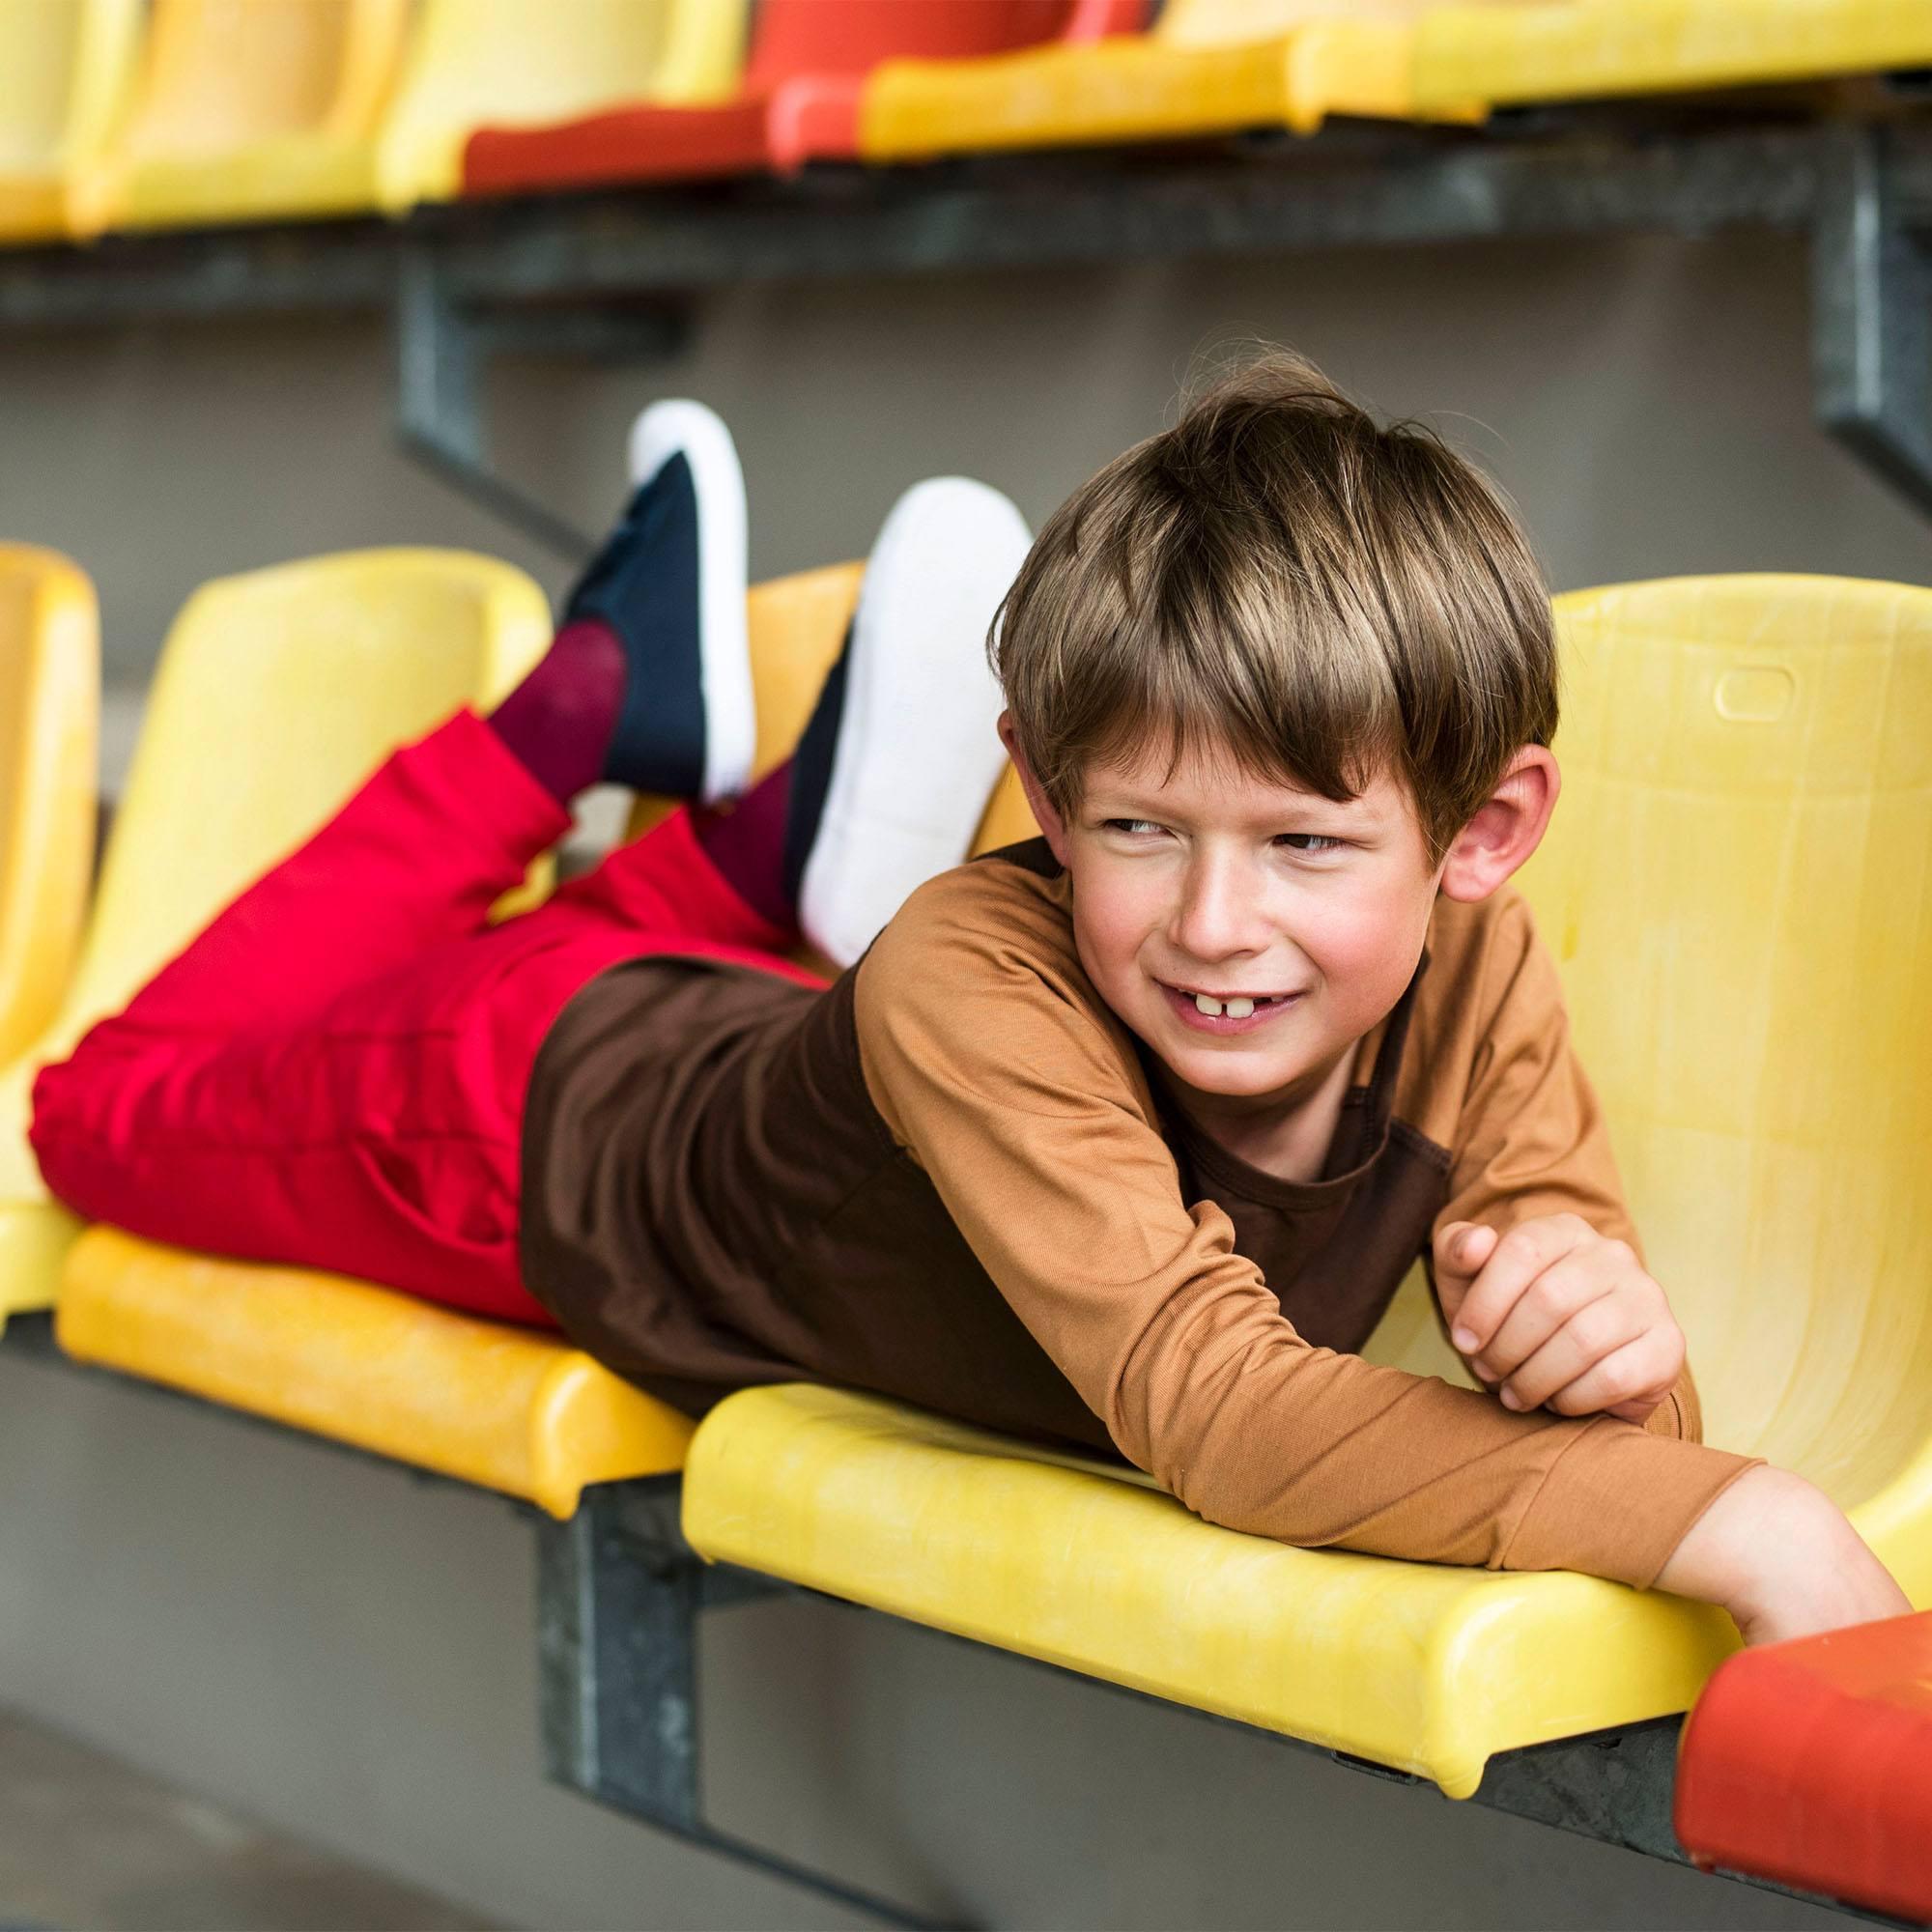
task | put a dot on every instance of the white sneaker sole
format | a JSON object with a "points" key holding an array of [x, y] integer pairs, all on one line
{"points": [[919, 753], [725, 652]]}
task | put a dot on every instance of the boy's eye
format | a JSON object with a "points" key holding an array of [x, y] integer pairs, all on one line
{"points": [[1310, 841], [1137, 825]]}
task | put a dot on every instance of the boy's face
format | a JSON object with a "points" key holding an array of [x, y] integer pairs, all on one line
{"points": [[1205, 882]]}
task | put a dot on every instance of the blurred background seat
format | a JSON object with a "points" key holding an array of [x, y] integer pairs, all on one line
{"points": [[532, 63], [799, 99], [65, 69], [1471, 58], [50, 718], [250, 110], [1206, 66]]}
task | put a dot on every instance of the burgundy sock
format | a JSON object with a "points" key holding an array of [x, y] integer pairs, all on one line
{"points": [[560, 720], [746, 841]]}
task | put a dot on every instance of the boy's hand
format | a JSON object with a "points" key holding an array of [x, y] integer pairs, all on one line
{"points": [[1558, 1316]]}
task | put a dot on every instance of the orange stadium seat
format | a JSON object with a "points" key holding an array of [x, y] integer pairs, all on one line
{"points": [[1811, 1763], [800, 99]]}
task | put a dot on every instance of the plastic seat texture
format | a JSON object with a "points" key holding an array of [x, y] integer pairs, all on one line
{"points": [[479, 1400], [800, 96], [533, 63], [1477, 57], [1734, 891], [277, 692], [65, 69], [247, 110], [1208, 66], [1811, 1763]]}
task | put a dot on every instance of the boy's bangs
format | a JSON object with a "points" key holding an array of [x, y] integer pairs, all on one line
{"points": [[1267, 710]]}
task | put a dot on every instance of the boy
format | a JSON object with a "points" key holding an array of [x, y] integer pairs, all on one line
{"points": [[1123, 1137]]}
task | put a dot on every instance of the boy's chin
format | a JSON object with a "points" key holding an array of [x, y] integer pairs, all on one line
{"points": [[1233, 1073]]}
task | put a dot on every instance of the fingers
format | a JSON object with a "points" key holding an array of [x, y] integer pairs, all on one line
{"points": [[1516, 1261], [1461, 1248], [1628, 1383], [1557, 1296]]}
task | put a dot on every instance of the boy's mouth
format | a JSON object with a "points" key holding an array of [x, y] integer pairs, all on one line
{"points": [[1223, 1012]]}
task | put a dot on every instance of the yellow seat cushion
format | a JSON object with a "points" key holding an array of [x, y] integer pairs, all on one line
{"points": [[1208, 67], [1420, 1666], [480, 1400], [1491, 56]]}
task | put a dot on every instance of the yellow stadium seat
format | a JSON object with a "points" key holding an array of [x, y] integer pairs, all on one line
{"points": [[482, 1402], [1477, 57], [1208, 66], [479, 1400], [247, 112], [1734, 887], [528, 63], [65, 69], [277, 692], [50, 717]]}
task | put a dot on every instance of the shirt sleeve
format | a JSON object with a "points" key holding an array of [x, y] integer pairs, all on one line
{"points": [[1017, 1099], [1531, 1139]]}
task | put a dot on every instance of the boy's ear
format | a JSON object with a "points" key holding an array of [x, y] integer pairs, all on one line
{"points": [[1049, 820], [1506, 828]]}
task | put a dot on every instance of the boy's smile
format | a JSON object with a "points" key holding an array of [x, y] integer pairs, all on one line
{"points": [[1250, 932]]}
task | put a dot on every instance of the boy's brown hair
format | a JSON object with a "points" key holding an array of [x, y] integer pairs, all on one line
{"points": [[1280, 580]]}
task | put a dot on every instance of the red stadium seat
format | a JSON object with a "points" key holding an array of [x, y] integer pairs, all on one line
{"points": [[799, 101], [1811, 1763]]}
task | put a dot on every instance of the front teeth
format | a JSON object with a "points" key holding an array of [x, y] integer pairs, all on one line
{"points": [[1236, 1009]]}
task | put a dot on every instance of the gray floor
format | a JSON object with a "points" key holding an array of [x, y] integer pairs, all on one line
{"points": [[87, 1843]]}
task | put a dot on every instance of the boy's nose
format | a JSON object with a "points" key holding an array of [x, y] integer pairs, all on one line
{"points": [[1219, 914]]}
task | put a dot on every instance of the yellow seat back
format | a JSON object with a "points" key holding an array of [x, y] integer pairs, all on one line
{"points": [[49, 717], [248, 111], [218, 75], [277, 693], [65, 68], [1735, 886], [527, 63]]}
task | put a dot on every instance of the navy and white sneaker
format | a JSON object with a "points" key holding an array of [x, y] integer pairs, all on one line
{"points": [[669, 584], [894, 771]]}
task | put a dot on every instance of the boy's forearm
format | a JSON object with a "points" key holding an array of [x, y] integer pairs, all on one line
{"points": [[1322, 1449]]}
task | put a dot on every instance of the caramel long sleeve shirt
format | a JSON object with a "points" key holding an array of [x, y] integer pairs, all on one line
{"points": [[951, 1178]]}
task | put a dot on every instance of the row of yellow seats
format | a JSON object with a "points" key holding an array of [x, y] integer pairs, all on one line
{"points": [[214, 111], [171, 113], [1731, 890], [1210, 67]]}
